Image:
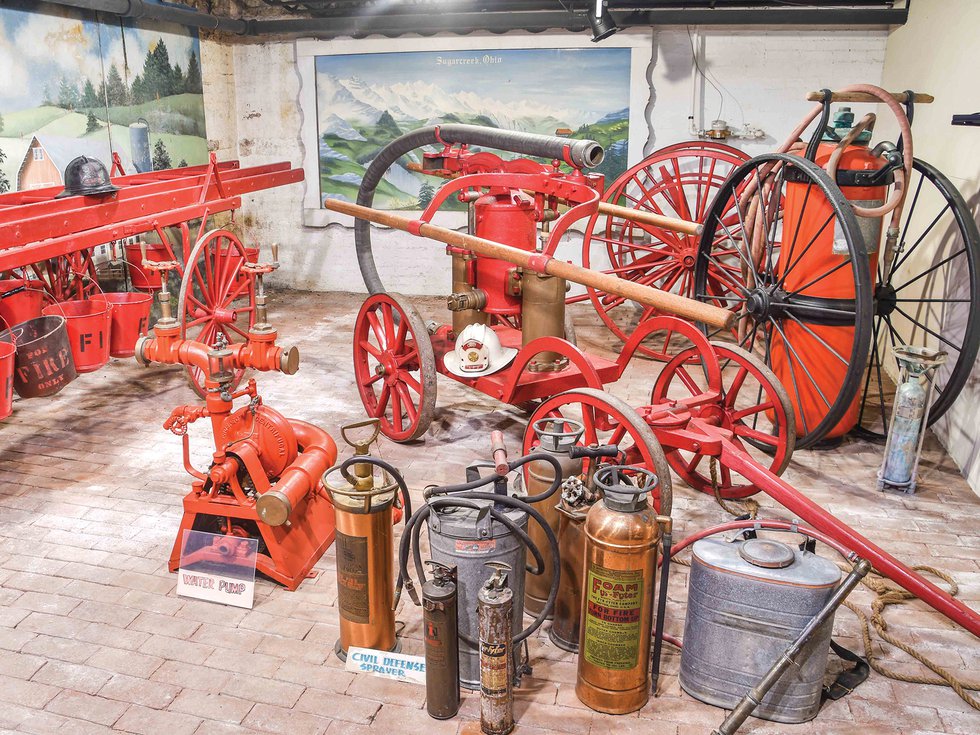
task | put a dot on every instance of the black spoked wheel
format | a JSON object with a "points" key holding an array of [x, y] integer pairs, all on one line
{"points": [[926, 296], [794, 268]]}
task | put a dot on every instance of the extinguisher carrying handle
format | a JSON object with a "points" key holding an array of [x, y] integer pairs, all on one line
{"points": [[594, 452]]}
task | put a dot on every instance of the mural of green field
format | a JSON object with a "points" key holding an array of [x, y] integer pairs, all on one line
{"points": [[79, 87]]}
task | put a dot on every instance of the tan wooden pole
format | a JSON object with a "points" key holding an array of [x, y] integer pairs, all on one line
{"points": [[900, 97], [661, 300]]}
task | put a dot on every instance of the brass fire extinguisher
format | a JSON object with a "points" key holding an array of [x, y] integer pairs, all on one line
{"points": [[558, 438], [621, 549], [364, 490], [495, 603], [440, 626]]}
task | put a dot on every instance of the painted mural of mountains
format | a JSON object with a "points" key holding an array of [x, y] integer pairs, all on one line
{"points": [[357, 119]]}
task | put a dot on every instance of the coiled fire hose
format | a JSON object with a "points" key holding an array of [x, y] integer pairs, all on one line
{"points": [[402, 489], [465, 495], [885, 595]]}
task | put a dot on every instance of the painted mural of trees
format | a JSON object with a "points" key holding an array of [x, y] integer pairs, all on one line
{"points": [[161, 157], [159, 78], [4, 181]]}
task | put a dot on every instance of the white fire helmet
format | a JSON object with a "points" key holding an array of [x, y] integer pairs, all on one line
{"points": [[478, 352]]}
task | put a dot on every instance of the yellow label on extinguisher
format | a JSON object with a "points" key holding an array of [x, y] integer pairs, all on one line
{"points": [[613, 611]]}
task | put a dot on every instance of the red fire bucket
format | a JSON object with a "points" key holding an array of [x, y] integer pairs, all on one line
{"points": [[8, 352], [89, 322], [44, 362], [23, 305], [130, 320], [141, 278]]}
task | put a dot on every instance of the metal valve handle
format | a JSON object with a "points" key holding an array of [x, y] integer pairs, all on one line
{"points": [[362, 446], [497, 580]]}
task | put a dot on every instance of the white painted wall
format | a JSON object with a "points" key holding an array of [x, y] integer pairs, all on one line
{"points": [[254, 115], [936, 53]]}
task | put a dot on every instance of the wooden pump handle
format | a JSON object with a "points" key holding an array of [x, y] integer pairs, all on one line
{"points": [[661, 300], [649, 218], [900, 97]]}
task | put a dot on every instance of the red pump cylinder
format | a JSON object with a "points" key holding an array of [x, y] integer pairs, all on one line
{"points": [[509, 218]]}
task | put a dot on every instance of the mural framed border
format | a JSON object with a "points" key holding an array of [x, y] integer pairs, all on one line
{"points": [[638, 43]]}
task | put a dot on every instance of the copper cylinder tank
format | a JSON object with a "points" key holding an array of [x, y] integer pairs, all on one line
{"points": [[543, 315], [564, 631], [556, 436], [621, 549], [365, 565]]}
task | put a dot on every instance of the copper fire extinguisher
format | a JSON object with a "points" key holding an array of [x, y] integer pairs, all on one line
{"points": [[364, 490], [558, 438], [621, 549], [577, 497]]}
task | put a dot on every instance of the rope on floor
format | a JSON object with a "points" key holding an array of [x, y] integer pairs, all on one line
{"points": [[888, 594]]}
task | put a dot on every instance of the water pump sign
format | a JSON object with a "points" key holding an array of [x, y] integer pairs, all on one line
{"points": [[386, 664], [217, 568]]}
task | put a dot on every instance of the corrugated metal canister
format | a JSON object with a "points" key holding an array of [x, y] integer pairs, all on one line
{"points": [[747, 601], [467, 539]]}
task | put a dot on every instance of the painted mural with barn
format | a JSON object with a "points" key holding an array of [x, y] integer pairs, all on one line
{"points": [[365, 101], [73, 86]]}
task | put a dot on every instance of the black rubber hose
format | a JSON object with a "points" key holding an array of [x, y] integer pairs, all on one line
{"points": [[406, 498], [487, 479], [658, 636], [555, 561], [581, 153]]}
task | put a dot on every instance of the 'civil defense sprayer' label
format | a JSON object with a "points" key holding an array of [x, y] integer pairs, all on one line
{"points": [[612, 617]]}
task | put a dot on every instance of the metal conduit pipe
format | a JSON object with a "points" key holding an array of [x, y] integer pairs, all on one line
{"points": [[166, 13], [533, 20]]}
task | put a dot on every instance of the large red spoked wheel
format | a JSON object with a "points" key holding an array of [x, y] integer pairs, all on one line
{"points": [[217, 298], [677, 181], [394, 366], [753, 405], [67, 277], [608, 420]]}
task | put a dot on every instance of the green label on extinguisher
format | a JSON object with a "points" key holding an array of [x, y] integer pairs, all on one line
{"points": [[614, 607]]}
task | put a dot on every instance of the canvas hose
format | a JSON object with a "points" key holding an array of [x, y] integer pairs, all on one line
{"points": [[887, 594]]}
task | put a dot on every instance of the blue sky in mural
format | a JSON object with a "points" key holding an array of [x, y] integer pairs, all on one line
{"points": [[366, 100], [39, 49], [576, 85]]}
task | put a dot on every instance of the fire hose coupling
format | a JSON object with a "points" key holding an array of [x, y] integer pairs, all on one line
{"points": [[466, 300]]}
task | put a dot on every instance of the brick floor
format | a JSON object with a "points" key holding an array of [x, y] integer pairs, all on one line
{"points": [[93, 637]]}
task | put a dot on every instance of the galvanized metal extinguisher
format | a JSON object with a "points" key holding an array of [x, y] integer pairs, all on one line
{"points": [[910, 416], [439, 624], [622, 544], [495, 609], [364, 491], [468, 528]]}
